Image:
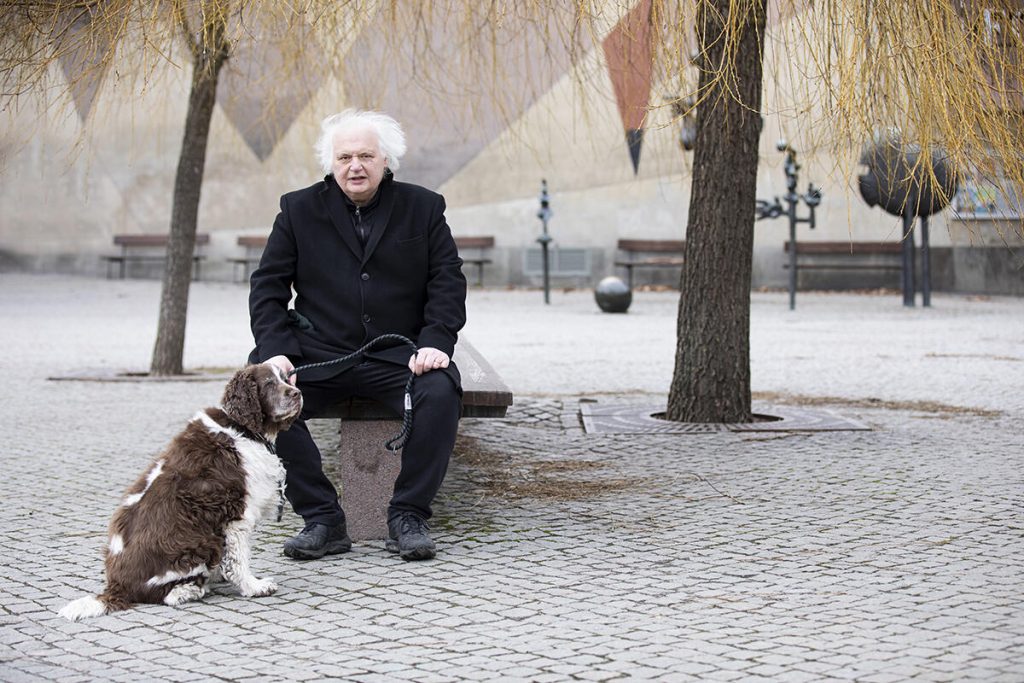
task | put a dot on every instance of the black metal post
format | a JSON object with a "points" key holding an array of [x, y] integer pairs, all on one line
{"points": [[792, 198], [926, 265], [544, 214], [792, 250], [907, 266]]}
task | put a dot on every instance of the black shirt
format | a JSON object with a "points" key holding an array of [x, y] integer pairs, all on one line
{"points": [[364, 218]]}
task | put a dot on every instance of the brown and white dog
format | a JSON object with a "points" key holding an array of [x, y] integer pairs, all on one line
{"points": [[189, 518]]}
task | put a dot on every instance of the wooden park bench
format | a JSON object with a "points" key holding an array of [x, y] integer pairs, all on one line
{"points": [[473, 251], [657, 254], [368, 470], [846, 255], [247, 262], [149, 248]]}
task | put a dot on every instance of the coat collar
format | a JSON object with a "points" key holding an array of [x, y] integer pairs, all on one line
{"points": [[340, 214]]}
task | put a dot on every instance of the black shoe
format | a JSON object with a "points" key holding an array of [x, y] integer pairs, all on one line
{"points": [[317, 540], [409, 537]]}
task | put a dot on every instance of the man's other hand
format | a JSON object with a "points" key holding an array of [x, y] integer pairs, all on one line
{"points": [[427, 359]]}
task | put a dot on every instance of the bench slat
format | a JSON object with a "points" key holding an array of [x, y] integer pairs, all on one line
{"points": [[480, 242], [654, 261], [252, 241], [846, 248], [153, 240], [652, 245], [846, 266]]}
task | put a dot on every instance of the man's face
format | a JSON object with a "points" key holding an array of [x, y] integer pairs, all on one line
{"points": [[358, 165]]}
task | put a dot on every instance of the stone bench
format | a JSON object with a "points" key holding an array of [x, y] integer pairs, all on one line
{"points": [[367, 471]]}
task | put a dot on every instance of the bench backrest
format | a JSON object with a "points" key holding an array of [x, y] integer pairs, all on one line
{"points": [[839, 248], [482, 242], [662, 246], [252, 241], [150, 240]]}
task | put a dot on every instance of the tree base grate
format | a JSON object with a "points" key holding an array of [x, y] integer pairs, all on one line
{"points": [[646, 419]]}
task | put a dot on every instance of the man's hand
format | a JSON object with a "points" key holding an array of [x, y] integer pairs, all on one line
{"points": [[285, 365], [427, 359]]}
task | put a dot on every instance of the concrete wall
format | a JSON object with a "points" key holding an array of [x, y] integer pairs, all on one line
{"points": [[71, 180]]}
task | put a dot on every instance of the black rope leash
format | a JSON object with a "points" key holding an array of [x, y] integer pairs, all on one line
{"points": [[398, 442]]}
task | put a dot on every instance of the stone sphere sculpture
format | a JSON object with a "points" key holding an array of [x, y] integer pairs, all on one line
{"points": [[612, 295], [894, 176]]}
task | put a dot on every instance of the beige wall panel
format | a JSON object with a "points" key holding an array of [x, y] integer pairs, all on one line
{"points": [[65, 192]]}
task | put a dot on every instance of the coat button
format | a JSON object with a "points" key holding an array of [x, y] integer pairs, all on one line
{"points": [[365, 276], [366, 317]]}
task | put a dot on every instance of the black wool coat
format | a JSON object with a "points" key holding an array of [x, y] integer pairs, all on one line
{"points": [[407, 280]]}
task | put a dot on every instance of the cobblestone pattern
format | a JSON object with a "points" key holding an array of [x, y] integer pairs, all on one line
{"points": [[885, 555]]}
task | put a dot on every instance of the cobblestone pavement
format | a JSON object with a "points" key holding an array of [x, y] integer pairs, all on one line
{"points": [[885, 555]]}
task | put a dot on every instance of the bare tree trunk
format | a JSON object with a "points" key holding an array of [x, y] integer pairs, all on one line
{"points": [[210, 51], [711, 382]]}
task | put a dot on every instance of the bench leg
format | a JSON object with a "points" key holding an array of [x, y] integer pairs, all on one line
{"points": [[243, 270], [368, 473]]}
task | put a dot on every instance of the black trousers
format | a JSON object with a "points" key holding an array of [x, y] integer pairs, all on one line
{"points": [[436, 408]]}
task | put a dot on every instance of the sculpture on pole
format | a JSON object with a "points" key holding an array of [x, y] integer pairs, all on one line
{"points": [[903, 184]]}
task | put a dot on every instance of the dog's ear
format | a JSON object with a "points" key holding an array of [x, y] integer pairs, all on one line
{"points": [[241, 400]]}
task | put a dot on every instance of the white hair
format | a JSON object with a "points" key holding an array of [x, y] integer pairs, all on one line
{"points": [[388, 131]]}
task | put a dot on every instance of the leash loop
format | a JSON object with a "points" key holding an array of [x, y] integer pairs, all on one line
{"points": [[398, 441]]}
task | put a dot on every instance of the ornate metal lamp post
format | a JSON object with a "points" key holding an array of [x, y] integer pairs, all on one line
{"points": [[544, 214], [811, 198]]}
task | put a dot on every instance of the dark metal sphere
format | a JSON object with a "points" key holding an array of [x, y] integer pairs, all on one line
{"points": [[612, 295], [894, 177]]}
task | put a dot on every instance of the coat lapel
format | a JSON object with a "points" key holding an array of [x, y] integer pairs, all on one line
{"points": [[340, 217]]}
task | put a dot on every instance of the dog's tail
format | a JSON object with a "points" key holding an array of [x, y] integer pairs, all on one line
{"points": [[92, 606]]}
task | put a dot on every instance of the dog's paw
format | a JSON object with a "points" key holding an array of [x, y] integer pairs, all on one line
{"points": [[258, 588], [185, 592]]}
